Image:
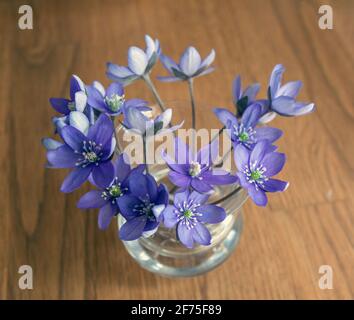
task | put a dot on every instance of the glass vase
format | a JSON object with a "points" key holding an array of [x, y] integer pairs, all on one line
{"points": [[161, 252]]}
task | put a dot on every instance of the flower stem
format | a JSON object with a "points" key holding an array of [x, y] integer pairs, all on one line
{"points": [[191, 93], [154, 92], [145, 155]]}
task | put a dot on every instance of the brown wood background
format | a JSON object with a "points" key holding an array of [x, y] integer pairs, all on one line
{"points": [[282, 246]]}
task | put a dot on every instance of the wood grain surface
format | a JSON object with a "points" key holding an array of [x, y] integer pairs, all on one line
{"points": [[282, 246]]}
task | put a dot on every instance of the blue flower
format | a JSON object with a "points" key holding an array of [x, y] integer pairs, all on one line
{"points": [[243, 99], [137, 122], [189, 212], [106, 197], [282, 98], [87, 154], [190, 65], [195, 171], [244, 131], [112, 101], [139, 63], [256, 169], [142, 207]]}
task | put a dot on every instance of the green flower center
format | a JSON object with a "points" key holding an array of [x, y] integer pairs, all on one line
{"points": [[188, 213], [243, 136], [115, 191], [115, 101], [91, 156], [256, 175], [194, 169]]}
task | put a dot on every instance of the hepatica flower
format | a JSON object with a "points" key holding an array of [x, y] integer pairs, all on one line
{"points": [[106, 197], [142, 207], [112, 101], [256, 169], [195, 170], [243, 99], [190, 65], [189, 213], [141, 124], [86, 154], [77, 101], [282, 98], [140, 63], [244, 131]]}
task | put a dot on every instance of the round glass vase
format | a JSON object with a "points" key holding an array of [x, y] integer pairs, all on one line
{"points": [[161, 252]]}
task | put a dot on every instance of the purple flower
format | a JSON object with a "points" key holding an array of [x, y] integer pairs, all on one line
{"points": [[189, 212], [77, 101], [243, 131], [189, 170], [87, 154], [112, 101], [139, 63], [136, 121], [256, 168], [106, 197], [142, 207], [243, 99], [190, 65], [282, 98]]}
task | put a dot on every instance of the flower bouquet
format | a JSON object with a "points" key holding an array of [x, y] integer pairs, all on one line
{"points": [[190, 202]]}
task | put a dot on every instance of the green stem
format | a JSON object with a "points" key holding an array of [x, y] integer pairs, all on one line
{"points": [[191, 93], [154, 92]]}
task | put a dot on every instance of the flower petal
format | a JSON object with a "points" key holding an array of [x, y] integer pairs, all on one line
{"points": [[102, 131], [75, 179], [290, 89], [185, 235], [258, 196], [201, 234], [62, 157], [105, 216], [274, 162], [196, 197], [275, 79], [268, 133], [258, 152], [60, 105], [76, 85], [251, 91], [121, 167], [190, 61], [275, 185], [241, 157], [137, 60], [225, 116], [103, 174], [115, 88], [251, 115], [51, 144], [126, 205], [80, 101], [200, 186], [236, 89], [95, 99], [136, 120], [118, 71], [79, 121], [218, 177], [91, 199], [73, 137], [132, 229], [168, 63], [208, 60], [180, 180], [211, 213]]}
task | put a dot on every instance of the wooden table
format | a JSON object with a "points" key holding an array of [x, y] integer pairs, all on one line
{"points": [[282, 247]]}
